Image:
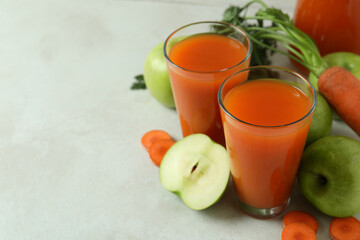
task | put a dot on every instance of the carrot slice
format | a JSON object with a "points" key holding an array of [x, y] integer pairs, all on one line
{"points": [[298, 231], [300, 216], [152, 136], [158, 150], [342, 90], [347, 228]]}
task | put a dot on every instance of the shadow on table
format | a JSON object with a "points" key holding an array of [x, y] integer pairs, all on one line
{"points": [[226, 208]]}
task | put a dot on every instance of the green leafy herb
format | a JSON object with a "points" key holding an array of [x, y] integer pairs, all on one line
{"points": [[260, 54], [274, 26], [139, 82]]}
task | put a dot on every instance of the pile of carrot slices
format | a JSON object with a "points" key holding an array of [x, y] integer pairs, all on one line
{"points": [[300, 225], [157, 143]]}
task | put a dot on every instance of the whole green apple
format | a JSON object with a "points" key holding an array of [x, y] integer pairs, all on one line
{"points": [[329, 175], [321, 123], [347, 60], [156, 76]]}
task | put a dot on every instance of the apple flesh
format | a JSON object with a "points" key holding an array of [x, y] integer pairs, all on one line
{"points": [[329, 175], [197, 170]]}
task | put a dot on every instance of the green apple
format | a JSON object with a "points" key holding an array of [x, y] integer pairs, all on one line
{"points": [[321, 123], [347, 60], [329, 175], [156, 75], [197, 170]]}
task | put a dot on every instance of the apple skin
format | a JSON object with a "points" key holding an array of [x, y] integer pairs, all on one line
{"points": [[329, 175], [347, 60], [321, 123], [156, 76]]}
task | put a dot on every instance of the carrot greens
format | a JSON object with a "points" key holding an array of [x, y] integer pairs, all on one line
{"points": [[270, 26]]}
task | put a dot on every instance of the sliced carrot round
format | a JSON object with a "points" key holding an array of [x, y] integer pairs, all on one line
{"points": [[298, 231], [152, 136], [300, 216], [158, 150], [347, 228]]}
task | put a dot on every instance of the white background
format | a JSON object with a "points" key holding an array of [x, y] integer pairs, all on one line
{"points": [[71, 162]]}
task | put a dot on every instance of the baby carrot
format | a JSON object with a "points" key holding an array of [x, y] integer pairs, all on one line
{"points": [[347, 228], [158, 150], [152, 136], [342, 90], [298, 231], [300, 216]]}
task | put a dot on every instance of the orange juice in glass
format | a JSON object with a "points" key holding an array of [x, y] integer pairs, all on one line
{"points": [[199, 58], [266, 113]]}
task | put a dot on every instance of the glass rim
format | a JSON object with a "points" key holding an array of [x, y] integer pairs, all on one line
{"points": [[249, 49], [311, 110]]}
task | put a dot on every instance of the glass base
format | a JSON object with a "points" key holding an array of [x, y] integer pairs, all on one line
{"points": [[262, 213]]}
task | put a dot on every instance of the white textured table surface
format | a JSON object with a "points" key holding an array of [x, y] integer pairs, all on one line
{"points": [[71, 162]]}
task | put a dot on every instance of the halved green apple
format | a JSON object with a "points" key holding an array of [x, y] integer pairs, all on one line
{"points": [[196, 169]]}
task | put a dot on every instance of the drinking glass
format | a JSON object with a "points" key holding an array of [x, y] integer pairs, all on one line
{"points": [[199, 57], [266, 113]]}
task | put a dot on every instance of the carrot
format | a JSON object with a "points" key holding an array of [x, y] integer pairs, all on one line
{"points": [[300, 216], [347, 228], [298, 231], [342, 90], [158, 150], [152, 136]]}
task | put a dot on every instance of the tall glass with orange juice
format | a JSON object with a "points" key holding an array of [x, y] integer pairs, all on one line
{"points": [[266, 113], [199, 58]]}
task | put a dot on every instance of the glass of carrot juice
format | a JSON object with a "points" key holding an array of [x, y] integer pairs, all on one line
{"points": [[266, 113], [199, 57]]}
